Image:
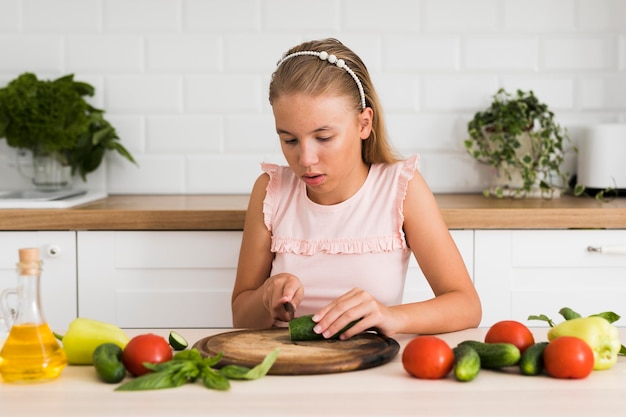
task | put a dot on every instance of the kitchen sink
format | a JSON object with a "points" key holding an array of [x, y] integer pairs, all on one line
{"points": [[48, 199]]}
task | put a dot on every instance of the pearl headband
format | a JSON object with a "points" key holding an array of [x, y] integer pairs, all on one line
{"points": [[332, 59]]}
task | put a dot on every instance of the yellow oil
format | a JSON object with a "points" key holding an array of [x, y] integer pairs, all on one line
{"points": [[31, 354]]}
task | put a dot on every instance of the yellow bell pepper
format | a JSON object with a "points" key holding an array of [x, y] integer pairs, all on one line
{"points": [[599, 333], [85, 335]]}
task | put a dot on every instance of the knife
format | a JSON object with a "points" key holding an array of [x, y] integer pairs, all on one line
{"points": [[291, 311]]}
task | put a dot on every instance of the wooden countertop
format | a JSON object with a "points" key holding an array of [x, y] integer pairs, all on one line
{"points": [[227, 212], [386, 390]]}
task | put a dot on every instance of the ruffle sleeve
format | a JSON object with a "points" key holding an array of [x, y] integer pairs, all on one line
{"points": [[407, 171], [271, 192]]}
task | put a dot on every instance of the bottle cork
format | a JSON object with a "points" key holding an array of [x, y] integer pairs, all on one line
{"points": [[29, 261], [28, 255]]}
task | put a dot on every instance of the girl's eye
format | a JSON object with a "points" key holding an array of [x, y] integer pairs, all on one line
{"points": [[290, 141], [325, 139]]}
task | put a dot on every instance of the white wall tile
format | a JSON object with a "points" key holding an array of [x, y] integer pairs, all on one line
{"points": [[557, 92], [421, 133], [288, 15], [255, 53], [421, 53], [363, 15], [222, 93], [183, 134], [61, 16], [538, 16], [104, 53], [32, 53], [198, 71], [222, 174], [144, 93], [607, 92], [456, 92], [154, 174], [398, 92], [185, 53], [142, 15], [601, 15], [457, 16], [501, 54], [221, 16], [9, 16], [586, 53], [251, 134]]}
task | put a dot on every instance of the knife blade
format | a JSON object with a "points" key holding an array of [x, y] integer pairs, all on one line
{"points": [[291, 311]]}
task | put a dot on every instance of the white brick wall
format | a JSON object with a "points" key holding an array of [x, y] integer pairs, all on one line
{"points": [[185, 81]]}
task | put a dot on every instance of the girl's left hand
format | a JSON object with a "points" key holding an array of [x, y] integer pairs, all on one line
{"points": [[354, 305]]}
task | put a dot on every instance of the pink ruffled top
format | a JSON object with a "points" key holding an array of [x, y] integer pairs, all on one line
{"points": [[358, 243]]}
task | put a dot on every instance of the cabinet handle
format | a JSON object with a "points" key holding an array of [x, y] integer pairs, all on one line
{"points": [[608, 249], [54, 251]]}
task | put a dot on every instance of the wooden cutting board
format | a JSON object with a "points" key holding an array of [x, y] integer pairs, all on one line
{"points": [[249, 347]]}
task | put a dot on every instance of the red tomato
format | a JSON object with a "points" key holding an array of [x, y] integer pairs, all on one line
{"points": [[510, 331], [428, 357], [145, 348], [568, 357]]}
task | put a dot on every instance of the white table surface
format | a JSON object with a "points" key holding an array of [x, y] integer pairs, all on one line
{"points": [[386, 390]]}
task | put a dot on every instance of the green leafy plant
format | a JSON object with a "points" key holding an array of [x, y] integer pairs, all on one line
{"points": [[189, 365], [519, 137], [53, 118]]}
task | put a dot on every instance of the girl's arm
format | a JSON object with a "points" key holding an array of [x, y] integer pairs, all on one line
{"points": [[257, 300], [254, 266], [456, 304]]}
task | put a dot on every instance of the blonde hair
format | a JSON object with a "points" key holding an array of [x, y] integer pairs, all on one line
{"points": [[310, 75]]}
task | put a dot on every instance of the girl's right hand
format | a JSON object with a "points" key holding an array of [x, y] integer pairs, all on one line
{"points": [[280, 289]]}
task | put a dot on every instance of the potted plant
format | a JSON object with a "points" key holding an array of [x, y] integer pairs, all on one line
{"points": [[518, 136], [53, 120]]}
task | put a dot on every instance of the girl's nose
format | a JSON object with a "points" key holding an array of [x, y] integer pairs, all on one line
{"points": [[308, 154]]}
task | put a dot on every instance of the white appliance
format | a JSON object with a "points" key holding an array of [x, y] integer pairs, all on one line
{"points": [[602, 157]]}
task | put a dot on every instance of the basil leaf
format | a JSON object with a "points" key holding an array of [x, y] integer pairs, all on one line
{"points": [[568, 313], [155, 380], [212, 360], [188, 355], [610, 316], [259, 371], [542, 317], [213, 380]]}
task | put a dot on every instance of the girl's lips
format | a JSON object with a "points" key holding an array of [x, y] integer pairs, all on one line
{"points": [[313, 180]]}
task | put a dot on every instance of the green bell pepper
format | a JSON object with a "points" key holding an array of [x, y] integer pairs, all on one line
{"points": [[599, 333], [85, 335]]}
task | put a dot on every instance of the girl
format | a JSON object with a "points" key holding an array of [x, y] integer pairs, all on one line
{"points": [[331, 235]]}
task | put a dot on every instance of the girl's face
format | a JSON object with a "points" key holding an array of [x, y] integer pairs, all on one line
{"points": [[320, 137]]}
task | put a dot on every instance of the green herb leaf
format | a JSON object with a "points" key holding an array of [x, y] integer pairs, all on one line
{"points": [[259, 371], [610, 316], [214, 380], [542, 317], [568, 313]]}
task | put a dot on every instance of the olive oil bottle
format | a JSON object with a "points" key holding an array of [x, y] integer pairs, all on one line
{"points": [[30, 352]]}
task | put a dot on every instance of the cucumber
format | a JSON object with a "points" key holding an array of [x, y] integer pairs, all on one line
{"points": [[107, 359], [495, 355], [177, 341], [466, 363], [301, 328], [531, 362]]}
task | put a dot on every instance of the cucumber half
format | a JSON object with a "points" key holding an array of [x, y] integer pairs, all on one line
{"points": [[177, 342], [301, 328]]}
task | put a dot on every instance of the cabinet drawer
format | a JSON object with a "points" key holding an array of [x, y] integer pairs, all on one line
{"points": [[57, 251], [568, 248], [524, 272], [157, 279]]}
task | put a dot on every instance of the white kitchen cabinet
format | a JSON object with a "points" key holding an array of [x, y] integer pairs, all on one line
{"points": [[157, 278], [57, 251], [523, 272], [416, 287]]}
